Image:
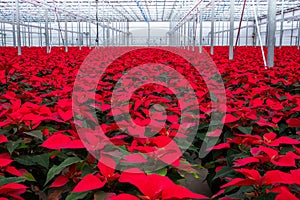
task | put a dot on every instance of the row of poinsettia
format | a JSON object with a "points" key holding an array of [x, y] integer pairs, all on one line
{"points": [[39, 135], [36, 129], [259, 156]]}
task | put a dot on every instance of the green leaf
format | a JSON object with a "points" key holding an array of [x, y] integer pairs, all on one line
{"points": [[41, 160], [269, 196], [162, 172], [57, 169], [223, 172], [4, 181], [12, 145], [246, 130], [77, 196], [36, 133], [29, 177], [86, 170]]}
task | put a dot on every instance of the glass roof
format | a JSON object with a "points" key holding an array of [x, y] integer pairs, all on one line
{"points": [[132, 10]]}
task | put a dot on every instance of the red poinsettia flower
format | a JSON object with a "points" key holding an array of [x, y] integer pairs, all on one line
{"points": [[155, 186]]}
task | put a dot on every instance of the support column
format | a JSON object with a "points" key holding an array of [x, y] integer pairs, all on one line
{"points": [[212, 27], [18, 27], [194, 32], [66, 34], [79, 35], [41, 34], [90, 35], [271, 31], [219, 29], [29, 39], [184, 35], [292, 31], [148, 34], [47, 31], [103, 35], [247, 28], [24, 36], [298, 43], [50, 34], [231, 35], [188, 35], [14, 30], [201, 32], [127, 30], [112, 35], [72, 36], [223, 30]]}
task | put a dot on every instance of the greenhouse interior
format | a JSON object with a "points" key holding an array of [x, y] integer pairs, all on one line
{"points": [[149, 99]]}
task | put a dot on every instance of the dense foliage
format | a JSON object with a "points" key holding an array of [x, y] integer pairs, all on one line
{"points": [[42, 156]]}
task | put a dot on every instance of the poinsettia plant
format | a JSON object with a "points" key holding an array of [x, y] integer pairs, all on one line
{"points": [[258, 153], [43, 157]]}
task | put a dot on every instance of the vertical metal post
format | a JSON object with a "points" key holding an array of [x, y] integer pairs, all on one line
{"points": [[66, 33], [90, 35], [271, 31], [47, 31], [24, 36], [201, 31], [194, 32], [72, 35], [97, 25], [127, 34], [292, 29], [184, 35], [18, 27], [298, 43], [50, 34], [247, 28], [281, 24], [112, 35], [148, 34], [231, 35], [29, 39], [41, 34], [103, 35], [86, 35], [223, 30], [58, 35], [188, 36], [2, 34], [219, 28], [79, 35], [227, 33], [212, 27], [14, 30]]}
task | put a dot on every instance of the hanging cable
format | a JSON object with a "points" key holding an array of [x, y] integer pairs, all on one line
{"points": [[240, 25], [258, 32]]}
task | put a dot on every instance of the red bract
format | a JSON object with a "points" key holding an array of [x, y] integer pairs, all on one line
{"points": [[252, 177], [261, 136], [155, 186], [12, 190], [88, 183]]}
